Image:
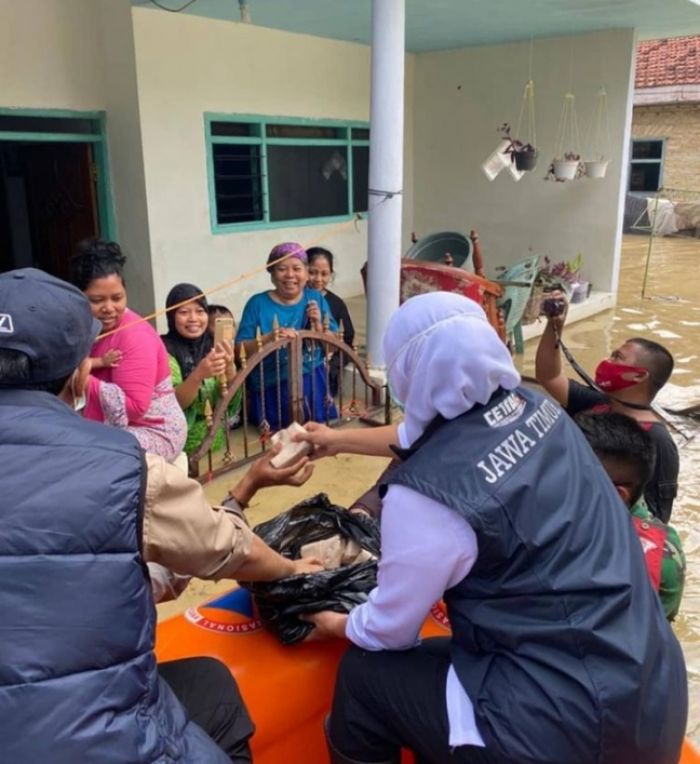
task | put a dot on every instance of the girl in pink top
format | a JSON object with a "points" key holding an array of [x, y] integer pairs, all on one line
{"points": [[130, 385]]}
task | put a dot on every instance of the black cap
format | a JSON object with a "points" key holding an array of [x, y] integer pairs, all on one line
{"points": [[47, 319]]}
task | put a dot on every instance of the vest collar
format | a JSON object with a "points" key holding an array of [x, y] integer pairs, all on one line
{"points": [[33, 399]]}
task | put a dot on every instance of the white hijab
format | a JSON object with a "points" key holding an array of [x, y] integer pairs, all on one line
{"points": [[443, 357]]}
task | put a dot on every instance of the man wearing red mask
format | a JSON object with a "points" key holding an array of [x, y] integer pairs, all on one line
{"points": [[629, 381]]}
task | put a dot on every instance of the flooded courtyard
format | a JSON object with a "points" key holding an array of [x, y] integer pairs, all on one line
{"points": [[670, 314]]}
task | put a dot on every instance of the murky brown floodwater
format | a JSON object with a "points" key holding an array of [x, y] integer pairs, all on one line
{"points": [[671, 317]]}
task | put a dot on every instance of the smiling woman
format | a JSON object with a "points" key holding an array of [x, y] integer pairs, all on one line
{"points": [[130, 385], [197, 365], [294, 307]]}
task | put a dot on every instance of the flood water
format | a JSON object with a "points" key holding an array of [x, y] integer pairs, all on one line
{"points": [[670, 314]]}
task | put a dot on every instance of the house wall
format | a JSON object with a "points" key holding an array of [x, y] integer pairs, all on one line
{"points": [[50, 54], [679, 124], [124, 140], [462, 97], [188, 66], [78, 55]]}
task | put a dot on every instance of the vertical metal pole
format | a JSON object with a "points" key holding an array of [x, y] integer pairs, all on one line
{"points": [[651, 244], [385, 169]]}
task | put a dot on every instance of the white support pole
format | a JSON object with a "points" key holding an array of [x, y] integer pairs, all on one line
{"points": [[385, 170]]}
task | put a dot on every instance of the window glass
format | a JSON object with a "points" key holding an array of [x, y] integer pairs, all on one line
{"points": [[238, 183], [307, 181], [647, 149]]}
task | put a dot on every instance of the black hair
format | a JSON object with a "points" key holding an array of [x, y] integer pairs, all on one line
{"points": [[656, 360], [17, 366], [96, 259], [214, 309], [316, 252], [626, 450]]}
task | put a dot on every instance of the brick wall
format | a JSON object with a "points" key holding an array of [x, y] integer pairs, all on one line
{"points": [[679, 124]]}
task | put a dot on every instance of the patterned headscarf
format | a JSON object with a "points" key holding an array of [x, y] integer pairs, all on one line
{"points": [[290, 248]]}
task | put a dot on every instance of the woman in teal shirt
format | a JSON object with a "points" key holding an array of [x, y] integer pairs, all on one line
{"points": [[196, 365], [296, 308]]}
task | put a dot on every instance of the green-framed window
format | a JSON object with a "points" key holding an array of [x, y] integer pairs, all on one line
{"points": [[647, 164], [269, 172]]}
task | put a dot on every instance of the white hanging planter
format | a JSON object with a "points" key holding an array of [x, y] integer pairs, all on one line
{"points": [[596, 168], [567, 164], [598, 140], [565, 169]]}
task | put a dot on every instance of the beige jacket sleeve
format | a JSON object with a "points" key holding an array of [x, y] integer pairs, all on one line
{"points": [[183, 532]]}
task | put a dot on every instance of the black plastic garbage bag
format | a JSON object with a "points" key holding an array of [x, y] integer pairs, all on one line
{"points": [[281, 602]]}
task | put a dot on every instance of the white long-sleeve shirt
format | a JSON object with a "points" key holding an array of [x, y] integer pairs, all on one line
{"points": [[426, 549]]}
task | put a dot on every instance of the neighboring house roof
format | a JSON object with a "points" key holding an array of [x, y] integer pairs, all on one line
{"points": [[668, 71]]}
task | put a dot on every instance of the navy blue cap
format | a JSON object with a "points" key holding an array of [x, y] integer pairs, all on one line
{"points": [[47, 319]]}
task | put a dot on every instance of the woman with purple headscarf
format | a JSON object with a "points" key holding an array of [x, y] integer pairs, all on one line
{"points": [[295, 307]]}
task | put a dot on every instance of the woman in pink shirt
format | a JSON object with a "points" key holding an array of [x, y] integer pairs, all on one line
{"points": [[130, 385]]}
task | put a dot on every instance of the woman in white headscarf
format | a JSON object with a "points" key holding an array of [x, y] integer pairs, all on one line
{"points": [[546, 662], [443, 358]]}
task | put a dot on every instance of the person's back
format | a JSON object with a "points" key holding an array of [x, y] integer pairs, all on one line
{"points": [[546, 626], [78, 680]]}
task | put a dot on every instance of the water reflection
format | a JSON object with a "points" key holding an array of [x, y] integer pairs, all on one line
{"points": [[671, 315]]}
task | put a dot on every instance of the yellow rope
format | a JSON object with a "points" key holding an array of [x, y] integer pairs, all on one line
{"points": [[237, 279]]}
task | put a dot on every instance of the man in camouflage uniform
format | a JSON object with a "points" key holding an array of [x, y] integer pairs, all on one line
{"points": [[627, 454]]}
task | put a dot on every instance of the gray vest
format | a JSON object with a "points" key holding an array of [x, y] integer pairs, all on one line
{"points": [[78, 677], [558, 637]]}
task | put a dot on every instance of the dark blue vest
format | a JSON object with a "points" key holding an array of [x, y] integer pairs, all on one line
{"points": [[558, 638], [78, 678]]}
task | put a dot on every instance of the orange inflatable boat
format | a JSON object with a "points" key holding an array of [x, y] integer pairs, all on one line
{"points": [[288, 690]]}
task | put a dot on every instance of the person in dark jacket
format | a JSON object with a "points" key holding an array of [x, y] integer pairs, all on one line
{"points": [[628, 382], [560, 651], [83, 510]]}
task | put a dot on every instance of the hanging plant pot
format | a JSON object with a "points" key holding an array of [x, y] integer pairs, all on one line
{"points": [[525, 160], [565, 169], [596, 168]]}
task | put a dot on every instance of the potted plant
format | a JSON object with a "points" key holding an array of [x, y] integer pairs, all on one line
{"points": [[598, 139], [567, 164], [596, 168], [570, 167], [564, 275], [523, 155]]}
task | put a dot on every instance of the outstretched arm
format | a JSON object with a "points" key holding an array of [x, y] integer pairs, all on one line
{"points": [[372, 441], [548, 371], [182, 532]]}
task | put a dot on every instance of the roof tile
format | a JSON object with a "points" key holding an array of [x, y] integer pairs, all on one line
{"points": [[674, 61]]}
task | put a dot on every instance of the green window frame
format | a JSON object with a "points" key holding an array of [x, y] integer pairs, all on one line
{"points": [[647, 156], [248, 156]]}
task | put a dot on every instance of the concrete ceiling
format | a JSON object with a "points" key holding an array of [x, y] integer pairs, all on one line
{"points": [[444, 24]]}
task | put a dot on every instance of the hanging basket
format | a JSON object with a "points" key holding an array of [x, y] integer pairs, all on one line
{"points": [[567, 164], [565, 169], [598, 140], [525, 160], [596, 168]]}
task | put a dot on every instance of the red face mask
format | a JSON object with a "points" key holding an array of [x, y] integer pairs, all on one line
{"points": [[611, 377]]}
